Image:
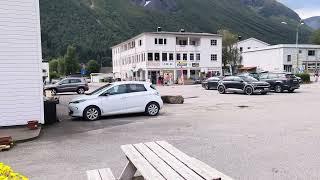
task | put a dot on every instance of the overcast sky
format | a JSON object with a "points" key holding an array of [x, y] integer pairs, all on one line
{"points": [[305, 8]]}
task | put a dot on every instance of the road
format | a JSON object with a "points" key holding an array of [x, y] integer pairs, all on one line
{"points": [[267, 137]]}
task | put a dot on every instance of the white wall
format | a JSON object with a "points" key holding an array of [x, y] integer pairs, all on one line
{"points": [[267, 60], [251, 43], [148, 45], [20, 63]]}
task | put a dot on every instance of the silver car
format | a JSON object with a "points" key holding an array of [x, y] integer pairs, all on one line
{"points": [[72, 84]]}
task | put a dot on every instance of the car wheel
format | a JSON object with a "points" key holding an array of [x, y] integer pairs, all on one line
{"points": [[152, 109], [91, 113], [80, 91], [53, 92], [222, 89], [248, 90], [291, 90], [278, 88]]}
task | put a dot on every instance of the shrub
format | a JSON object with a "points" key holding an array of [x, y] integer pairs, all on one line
{"points": [[6, 173], [305, 77], [54, 75]]}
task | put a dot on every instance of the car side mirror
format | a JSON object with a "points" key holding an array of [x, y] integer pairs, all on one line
{"points": [[106, 94]]}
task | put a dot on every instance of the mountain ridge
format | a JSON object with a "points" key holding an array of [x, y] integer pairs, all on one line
{"points": [[313, 22], [93, 26]]}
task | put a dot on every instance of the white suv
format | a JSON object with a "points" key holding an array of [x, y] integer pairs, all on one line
{"points": [[117, 98]]}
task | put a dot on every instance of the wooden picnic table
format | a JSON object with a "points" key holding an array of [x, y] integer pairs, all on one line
{"points": [[159, 161]]}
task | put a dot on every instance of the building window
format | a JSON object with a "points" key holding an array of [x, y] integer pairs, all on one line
{"points": [[241, 49], [178, 57], [164, 41], [213, 42], [150, 57], [214, 57], [289, 58], [182, 42], [164, 57], [185, 57], [311, 53], [300, 51], [198, 57], [170, 56], [249, 47], [157, 56], [140, 42], [160, 41], [191, 57], [155, 41]]}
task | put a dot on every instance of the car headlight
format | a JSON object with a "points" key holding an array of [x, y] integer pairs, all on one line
{"points": [[77, 102]]}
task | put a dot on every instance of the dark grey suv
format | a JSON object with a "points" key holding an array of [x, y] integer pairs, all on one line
{"points": [[73, 84]]}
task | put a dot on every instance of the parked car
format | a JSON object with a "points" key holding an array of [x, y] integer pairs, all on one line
{"points": [[211, 83], [74, 84], [243, 84], [117, 98], [281, 81]]}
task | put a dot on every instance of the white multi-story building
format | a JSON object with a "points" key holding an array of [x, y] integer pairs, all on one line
{"points": [[251, 43], [168, 54], [283, 57], [21, 93]]}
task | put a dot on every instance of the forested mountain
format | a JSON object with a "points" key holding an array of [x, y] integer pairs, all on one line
{"points": [[313, 22], [93, 26]]}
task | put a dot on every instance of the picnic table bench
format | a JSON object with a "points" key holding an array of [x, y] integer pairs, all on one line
{"points": [[159, 161]]}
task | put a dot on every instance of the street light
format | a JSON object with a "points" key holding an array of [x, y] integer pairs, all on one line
{"points": [[297, 40]]}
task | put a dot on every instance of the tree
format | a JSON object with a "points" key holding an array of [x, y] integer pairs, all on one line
{"points": [[53, 65], [93, 66], [71, 62], [61, 66], [230, 53], [315, 38]]}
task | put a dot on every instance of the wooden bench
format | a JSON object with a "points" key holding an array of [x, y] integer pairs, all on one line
{"points": [[159, 161]]}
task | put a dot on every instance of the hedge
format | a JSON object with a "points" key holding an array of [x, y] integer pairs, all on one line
{"points": [[305, 77]]}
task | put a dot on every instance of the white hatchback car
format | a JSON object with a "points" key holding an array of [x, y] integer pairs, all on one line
{"points": [[117, 98]]}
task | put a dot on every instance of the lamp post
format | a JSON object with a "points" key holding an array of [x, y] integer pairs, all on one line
{"points": [[297, 42]]}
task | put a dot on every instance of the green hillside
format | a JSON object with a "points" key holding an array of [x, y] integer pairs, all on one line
{"points": [[93, 26]]}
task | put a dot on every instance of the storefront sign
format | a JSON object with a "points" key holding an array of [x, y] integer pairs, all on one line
{"points": [[182, 64], [153, 64], [195, 65]]}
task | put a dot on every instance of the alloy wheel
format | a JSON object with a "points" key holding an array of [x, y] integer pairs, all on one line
{"points": [[92, 114], [81, 91], [249, 91], [153, 109], [278, 89], [53, 91]]}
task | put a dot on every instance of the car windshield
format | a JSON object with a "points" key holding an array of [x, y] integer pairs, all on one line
{"points": [[99, 90], [249, 79]]}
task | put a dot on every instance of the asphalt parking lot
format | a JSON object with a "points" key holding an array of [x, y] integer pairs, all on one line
{"points": [[273, 136]]}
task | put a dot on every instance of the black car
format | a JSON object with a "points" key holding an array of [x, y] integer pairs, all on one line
{"points": [[211, 83], [280, 82], [244, 84]]}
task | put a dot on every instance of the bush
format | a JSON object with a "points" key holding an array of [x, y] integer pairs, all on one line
{"points": [[6, 173], [54, 75], [305, 77]]}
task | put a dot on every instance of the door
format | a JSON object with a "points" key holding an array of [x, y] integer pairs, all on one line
{"points": [[73, 85], [113, 101], [238, 83], [63, 85], [228, 82], [137, 98]]}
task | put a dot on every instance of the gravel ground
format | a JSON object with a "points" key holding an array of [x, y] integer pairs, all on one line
{"points": [[275, 136]]}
